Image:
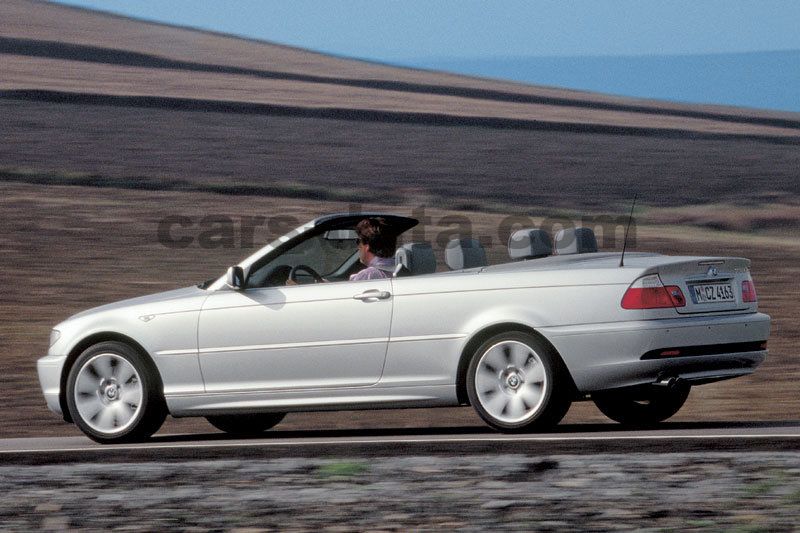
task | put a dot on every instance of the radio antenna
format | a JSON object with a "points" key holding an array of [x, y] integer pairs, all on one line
{"points": [[625, 241]]}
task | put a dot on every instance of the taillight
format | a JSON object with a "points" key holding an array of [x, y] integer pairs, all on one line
{"points": [[749, 291], [649, 293]]}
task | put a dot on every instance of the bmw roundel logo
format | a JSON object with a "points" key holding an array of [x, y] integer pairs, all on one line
{"points": [[713, 271]]}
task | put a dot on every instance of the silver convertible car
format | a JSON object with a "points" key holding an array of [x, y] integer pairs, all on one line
{"points": [[286, 330]]}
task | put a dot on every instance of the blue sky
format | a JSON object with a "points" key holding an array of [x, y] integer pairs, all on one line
{"points": [[392, 30], [508, 39]]}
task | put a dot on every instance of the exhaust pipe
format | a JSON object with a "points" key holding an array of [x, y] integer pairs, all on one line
{"points": [[670, 382]]}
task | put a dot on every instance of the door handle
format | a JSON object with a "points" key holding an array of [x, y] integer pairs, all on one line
{"points": [[372, 294]]}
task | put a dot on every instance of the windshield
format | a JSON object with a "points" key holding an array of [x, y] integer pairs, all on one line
{"points": [[326, 254]]}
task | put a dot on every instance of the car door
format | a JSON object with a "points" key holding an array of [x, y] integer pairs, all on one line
{"points": [[312, 336]]}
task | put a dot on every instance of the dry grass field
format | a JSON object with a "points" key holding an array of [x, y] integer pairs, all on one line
{"points": [[450, 165], [38, 29], [107, 125]]}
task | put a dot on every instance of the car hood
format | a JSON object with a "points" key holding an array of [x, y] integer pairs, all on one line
{"points": [[188, 294]]}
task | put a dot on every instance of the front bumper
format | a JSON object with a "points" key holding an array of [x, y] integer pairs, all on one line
{"points": [[606, 356], [50, 368]]}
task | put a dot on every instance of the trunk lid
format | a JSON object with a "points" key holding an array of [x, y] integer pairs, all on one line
{"points": [[709, 285]]}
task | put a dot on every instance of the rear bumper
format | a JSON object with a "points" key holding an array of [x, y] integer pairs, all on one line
{"points": [[49, 369], [606, 356]]}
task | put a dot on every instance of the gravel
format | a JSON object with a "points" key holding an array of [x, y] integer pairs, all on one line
{"points": [[748, 492]]}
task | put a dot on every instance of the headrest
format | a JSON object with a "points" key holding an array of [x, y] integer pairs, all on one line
{"points": [[575, 241], [529, 243], [416, 258], [464, 253]]}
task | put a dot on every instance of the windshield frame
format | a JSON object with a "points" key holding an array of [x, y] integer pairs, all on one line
{"points": [[306, 231]]}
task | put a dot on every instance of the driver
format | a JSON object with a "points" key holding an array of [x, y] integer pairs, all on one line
{"points": [[376, 246]]}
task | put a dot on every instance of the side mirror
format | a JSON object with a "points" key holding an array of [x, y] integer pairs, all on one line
{"points": [[235, 278]]}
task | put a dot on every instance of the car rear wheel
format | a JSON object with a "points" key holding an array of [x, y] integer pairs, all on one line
{"points": [[113, 394], [643, 407], [516, 382], [248, 424]]}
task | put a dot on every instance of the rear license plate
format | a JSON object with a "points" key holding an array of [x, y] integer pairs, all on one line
{"points": [[709, 293]]}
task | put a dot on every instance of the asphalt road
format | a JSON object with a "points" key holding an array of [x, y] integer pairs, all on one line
{"points": [[565, 439]]}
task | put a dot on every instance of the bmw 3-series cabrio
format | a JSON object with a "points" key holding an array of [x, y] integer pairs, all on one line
{"points": [[287, 330]]}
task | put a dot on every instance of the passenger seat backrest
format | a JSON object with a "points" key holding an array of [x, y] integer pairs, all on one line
{"points": [[575, 241], [464, 253], [529, 244], [414, 258]]}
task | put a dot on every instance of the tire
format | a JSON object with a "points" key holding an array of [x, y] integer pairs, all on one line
{"points": [[516, 382], [114, 394], [245, 425], [645, 407]]}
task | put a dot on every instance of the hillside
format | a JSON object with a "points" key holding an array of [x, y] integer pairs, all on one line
{"points": [[201, 111]]}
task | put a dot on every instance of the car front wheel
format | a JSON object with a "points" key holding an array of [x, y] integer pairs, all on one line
{"points": [[644, 407], [113, 394], [516, 382]]}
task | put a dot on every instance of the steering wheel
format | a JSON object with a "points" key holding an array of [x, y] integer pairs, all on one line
{"points": [[308, 270]]}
